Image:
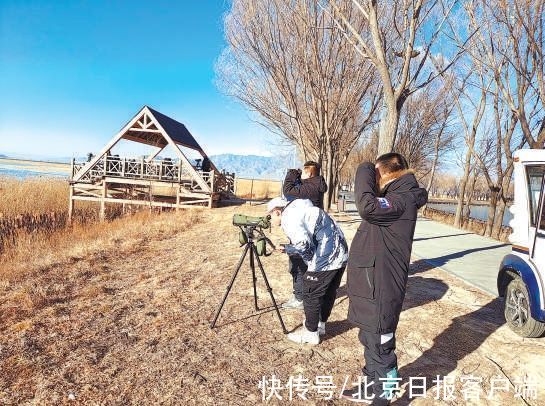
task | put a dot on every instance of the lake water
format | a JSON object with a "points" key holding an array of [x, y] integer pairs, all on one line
{"points": [[24, 173], [478, 212]]}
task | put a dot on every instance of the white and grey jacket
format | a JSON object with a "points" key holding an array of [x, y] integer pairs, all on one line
{"points": [[314, 236]]}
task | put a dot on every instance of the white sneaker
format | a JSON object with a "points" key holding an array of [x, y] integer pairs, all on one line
{"points": [[293, 303], [303, 336], [321, 328]]}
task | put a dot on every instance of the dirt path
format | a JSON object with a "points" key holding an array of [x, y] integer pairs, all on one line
{"points": [[132, 326]]}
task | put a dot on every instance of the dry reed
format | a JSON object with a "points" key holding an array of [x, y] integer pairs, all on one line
{"points": [[34, 233], [32, 196], [33, 208]]}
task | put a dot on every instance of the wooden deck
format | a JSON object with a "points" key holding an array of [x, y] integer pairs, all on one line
{"points": [[154, 183]]}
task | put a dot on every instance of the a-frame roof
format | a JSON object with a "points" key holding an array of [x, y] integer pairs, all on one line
{"points": [[176, 130], [144, 131]]}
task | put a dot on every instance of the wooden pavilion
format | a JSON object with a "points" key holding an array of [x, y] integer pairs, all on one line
{"points": [[147, 180]]}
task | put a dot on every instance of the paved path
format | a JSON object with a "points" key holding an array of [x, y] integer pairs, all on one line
{"points": [[469, 256]]}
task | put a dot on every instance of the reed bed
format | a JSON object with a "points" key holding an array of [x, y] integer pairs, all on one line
{"points": [[32, 209], [32, 196], [34, 229]]}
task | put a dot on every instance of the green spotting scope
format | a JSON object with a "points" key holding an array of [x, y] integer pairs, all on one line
{"points": [[250, 224], [242, 220]]}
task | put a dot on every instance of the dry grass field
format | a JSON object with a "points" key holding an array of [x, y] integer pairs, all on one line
{"points": [[257, 189], [36, 196], [119, 314], [33, 213]]}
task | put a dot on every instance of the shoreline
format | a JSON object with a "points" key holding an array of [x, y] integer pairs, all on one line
{"points": [[24, 167]]}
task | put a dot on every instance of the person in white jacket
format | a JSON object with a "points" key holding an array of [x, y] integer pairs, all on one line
{"points": [[315, 236]]}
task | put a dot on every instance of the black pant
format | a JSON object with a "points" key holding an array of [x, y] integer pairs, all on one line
{"points": [[320, 291], [297, 270], [380, 359]]}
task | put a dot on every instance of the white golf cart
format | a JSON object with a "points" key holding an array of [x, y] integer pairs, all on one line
{"points": [[521, 278]]}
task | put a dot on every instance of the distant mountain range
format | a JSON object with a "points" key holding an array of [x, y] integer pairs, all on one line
{"points": [[255, 166]]}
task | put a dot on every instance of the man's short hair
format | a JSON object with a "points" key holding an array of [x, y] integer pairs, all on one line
{"points": [[392, 162], [313, 167]]}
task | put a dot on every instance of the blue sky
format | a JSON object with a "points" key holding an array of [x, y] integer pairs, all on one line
{"points": [[73, 72]]}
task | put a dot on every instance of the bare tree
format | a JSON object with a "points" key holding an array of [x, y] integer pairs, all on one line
{"points": [[510, 43], [475, 98], [398, 42], [493, 23], [364, 151], [424, 129], [496, 161], [289, 63]]}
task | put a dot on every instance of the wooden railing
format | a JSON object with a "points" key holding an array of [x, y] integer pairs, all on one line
{"points": [[160, 170]]}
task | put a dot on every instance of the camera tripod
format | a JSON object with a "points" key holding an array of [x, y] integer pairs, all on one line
{"points": [[251, 248]]}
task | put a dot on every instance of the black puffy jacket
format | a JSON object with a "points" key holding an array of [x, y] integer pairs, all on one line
{"points": [[380, 253], [311, 188]]}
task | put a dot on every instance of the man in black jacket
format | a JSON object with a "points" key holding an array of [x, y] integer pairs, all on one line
{"points": [[388, 197], [305, 184]]}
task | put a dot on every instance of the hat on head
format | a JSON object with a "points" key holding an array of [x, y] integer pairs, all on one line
{"points": [[276, 202]]}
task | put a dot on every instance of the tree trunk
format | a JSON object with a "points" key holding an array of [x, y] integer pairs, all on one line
{"points": [[462, 191], [469, 199], [492, 205], [329, 179], [498, 222], [388, 130], [432, 172]]}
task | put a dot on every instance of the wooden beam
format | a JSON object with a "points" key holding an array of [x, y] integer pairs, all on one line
{"points": [[178, 200], [153, 203], [145, 130], [102, 214], [70, 205], [109, 146], [180, 154], [146, 141], [86, 193]]}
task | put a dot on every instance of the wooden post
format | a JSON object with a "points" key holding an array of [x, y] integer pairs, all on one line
{"points": [[251, 192], [142, 168], [102, 214], [211, 177], [71, 193], [70, 205], [178, 198], [105, 164], [123, 167]]}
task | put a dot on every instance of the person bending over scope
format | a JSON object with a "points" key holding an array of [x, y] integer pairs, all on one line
{"points": [[317, 239]]}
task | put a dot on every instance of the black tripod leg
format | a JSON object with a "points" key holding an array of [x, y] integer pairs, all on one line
{"points": [[254, 279], [269, 289], [230, 285]]}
